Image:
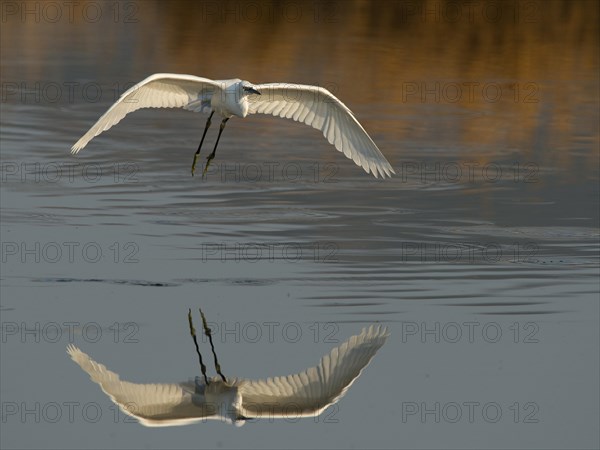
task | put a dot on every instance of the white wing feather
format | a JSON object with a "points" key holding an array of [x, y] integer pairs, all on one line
{"points": [[154, 405], [161, 90], [310, 392], [319, 108]]}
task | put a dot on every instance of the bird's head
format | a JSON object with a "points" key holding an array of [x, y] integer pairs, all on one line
{"points": [[249, 89]]}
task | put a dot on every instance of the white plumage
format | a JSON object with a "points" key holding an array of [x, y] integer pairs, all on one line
{"points": [[311, 105], [307, 393]]}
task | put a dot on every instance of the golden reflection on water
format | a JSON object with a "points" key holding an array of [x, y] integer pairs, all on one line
{"points": [[485, 78]]}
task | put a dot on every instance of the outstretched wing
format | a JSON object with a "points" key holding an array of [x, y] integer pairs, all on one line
{"points": [[154, 405], [320, 109], [308, 393], [161, 90]]}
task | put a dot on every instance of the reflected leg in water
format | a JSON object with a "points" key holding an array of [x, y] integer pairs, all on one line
{"points": [[193, 333], [208, 333]]}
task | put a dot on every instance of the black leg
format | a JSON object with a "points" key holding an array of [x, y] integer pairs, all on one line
{"points": [[201, 141], [193, 333], [209, 334], [212, 155]]}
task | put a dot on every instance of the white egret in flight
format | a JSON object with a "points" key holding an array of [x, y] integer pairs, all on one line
{"points": [[235, 400], [312, 105]]}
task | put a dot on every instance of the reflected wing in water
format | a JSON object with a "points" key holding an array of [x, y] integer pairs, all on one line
{"points": [[310, 392], [154, 405]]}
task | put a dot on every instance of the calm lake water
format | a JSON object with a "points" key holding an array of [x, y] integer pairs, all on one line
{"points": [[480, 255]]}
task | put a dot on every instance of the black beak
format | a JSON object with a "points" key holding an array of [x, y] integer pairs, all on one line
{"points": [[251, 90]]}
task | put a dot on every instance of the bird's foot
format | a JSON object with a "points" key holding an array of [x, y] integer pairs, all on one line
{"points": [[209, 158], [194, 163]]}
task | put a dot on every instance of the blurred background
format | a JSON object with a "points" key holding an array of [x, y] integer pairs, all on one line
{"points": [[489, 113]]}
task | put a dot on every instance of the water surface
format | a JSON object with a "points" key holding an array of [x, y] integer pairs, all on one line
{"points": [[481, 255]]}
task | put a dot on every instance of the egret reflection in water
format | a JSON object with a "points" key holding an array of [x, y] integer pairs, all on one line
{"points": [[312, 105], [235, 400]]}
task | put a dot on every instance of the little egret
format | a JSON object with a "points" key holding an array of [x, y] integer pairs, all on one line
{"points": [[312, 105], [234, 400]]}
